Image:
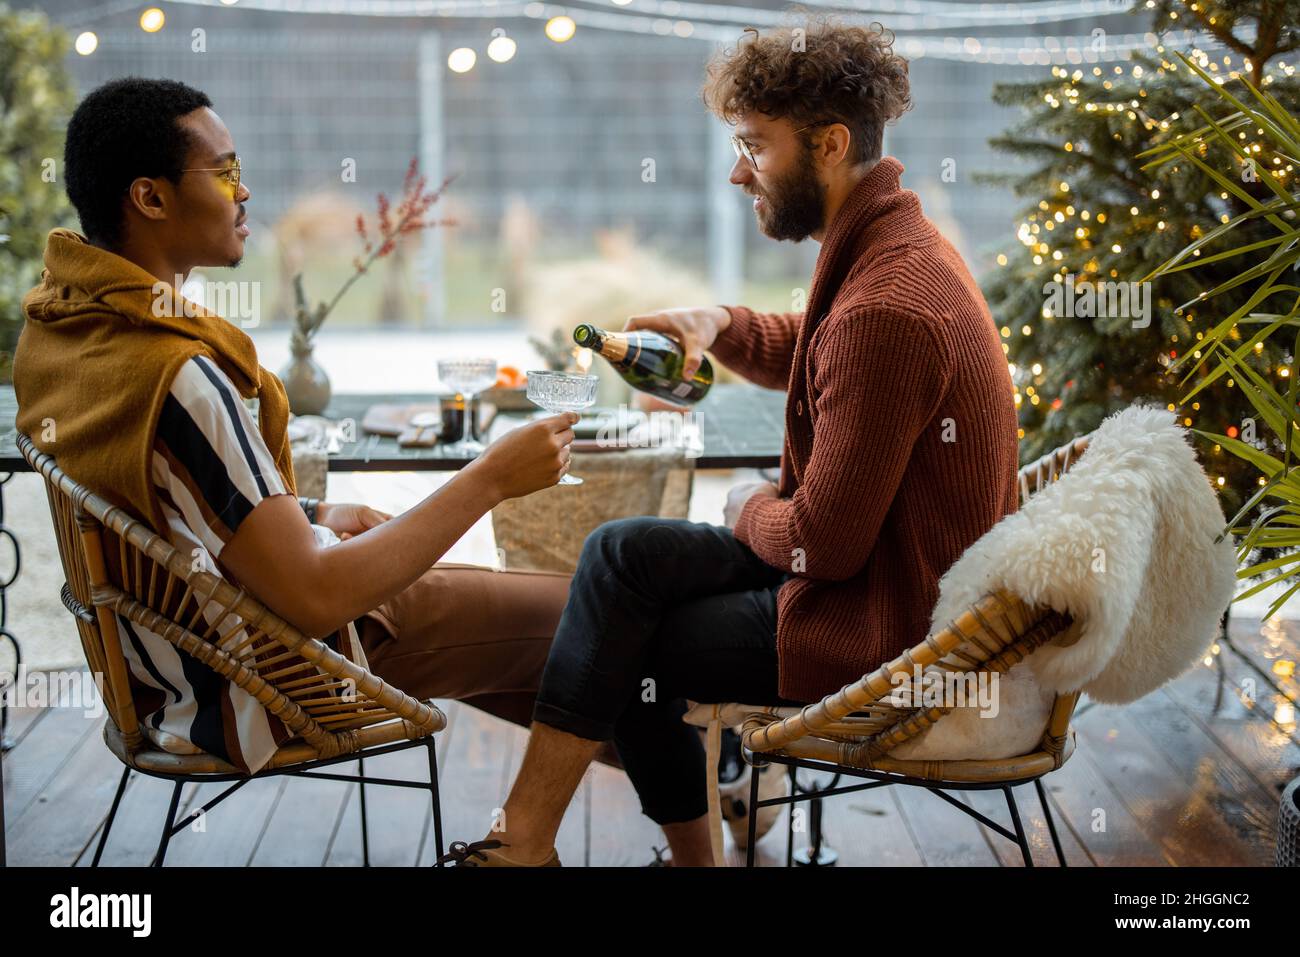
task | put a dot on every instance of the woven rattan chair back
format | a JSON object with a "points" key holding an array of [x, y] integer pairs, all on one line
{"points": [[856, 727], [116, 565]]}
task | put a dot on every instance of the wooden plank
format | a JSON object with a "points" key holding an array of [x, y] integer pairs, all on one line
{"points": [[944, 836], [1273, 648], [1173, 810], [866, 828], [60, 820], [139, 822], [1200, 762], [230, 831], [1245, 732], [396, 816], [304, 821], [1086, 802], [21, 721], [39, 757], [993, 805], [344, 846], [1041, 850], [400, 820]]}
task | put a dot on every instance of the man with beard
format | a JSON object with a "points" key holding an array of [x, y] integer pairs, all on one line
{"points": [[900, 451]]}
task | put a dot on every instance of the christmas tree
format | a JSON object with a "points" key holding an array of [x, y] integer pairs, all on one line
{"points": [[1084, 335]]}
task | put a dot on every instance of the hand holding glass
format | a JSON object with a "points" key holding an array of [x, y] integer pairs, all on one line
{"points": [[562, 392]]}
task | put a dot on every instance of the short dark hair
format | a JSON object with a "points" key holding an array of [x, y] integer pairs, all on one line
{"points": [[815, 71], [123, 130]]}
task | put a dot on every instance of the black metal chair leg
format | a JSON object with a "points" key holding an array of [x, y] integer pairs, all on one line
{"points": [[1020, 829], [167, 828], [365, 828], [789, 816], [753, 815], [437, 800], [1051, 824], [112, 813]]}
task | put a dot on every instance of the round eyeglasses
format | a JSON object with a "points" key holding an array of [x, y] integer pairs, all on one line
{"points": [[744, 149]]}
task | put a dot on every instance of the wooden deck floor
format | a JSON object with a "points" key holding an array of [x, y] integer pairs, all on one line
{"points": [[1190, 775]]}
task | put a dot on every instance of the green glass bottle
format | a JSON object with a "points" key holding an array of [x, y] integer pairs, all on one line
{"points": [[648, 361]]}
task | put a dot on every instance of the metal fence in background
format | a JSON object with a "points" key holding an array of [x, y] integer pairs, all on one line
{"points": [[566, 128]]}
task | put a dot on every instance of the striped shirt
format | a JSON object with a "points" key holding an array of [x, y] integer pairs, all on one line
{"points": [[211, 468]]}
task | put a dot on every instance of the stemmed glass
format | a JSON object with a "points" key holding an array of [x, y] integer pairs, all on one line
{"points": [[468, 377], [562, 392]]}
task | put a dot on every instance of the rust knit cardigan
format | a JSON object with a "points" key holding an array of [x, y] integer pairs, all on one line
{"points": [[900, 436]]}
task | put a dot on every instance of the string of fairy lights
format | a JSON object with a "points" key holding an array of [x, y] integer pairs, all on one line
{"points": [[908, 14], [1055, 216], [723, 23]]}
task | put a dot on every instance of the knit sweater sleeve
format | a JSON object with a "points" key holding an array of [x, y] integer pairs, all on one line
{"points": [[879, 380], [759, 345]]}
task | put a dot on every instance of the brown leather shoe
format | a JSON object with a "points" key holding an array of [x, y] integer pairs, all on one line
{"points": [[486, 854]]}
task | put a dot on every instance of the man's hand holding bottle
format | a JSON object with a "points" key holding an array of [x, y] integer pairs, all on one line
{"points": [[693, 327]]}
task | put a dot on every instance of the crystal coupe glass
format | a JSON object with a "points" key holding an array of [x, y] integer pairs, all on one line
{"points": [[468, 377], [562, 392]]}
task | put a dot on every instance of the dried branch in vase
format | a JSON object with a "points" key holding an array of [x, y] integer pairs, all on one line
{"points": [[391, 224]]}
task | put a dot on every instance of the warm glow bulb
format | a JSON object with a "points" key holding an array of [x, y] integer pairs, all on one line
{"points": [[151, 21], [86, 43], [561, 28], [501, 49], [461, 60]]}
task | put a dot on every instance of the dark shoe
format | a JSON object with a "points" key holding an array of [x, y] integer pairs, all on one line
{"points": [[486, 854], [659, 858]]}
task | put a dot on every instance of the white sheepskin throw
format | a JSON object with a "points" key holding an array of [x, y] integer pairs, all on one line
{"points": [[1123, 542]]}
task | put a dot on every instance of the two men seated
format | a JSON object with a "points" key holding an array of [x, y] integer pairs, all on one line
{"points": [[900, 451]]}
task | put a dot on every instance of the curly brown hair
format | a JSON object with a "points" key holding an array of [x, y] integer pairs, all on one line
{"points": [[819, 71]]}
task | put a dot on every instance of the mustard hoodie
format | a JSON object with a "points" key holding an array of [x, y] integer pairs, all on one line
{"points": [[94, 363]]}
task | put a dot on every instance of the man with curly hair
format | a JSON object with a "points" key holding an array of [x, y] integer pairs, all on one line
{"points": [[900, 451]]}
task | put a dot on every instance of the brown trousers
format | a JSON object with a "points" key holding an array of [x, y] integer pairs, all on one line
{"points": [[471, 634]]}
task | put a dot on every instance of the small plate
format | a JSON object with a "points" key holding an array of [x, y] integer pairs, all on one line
{"points": [[425, 420]]}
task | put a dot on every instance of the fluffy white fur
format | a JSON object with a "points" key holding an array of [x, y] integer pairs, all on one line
{"points": [[1124, 543]]}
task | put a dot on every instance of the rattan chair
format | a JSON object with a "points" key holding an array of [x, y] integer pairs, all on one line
{"points": [[335, 710], [853, 731]]}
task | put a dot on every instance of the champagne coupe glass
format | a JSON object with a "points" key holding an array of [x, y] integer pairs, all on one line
{"points": [[562, 392], [468, 377]]}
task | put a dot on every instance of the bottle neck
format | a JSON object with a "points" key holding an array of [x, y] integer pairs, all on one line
{"points": [[612, 345]]}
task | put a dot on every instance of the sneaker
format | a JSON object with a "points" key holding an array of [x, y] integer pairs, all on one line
{"points": [[487, 854]]}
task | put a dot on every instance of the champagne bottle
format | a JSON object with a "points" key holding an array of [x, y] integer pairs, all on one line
{"points": [[648, 361]]}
